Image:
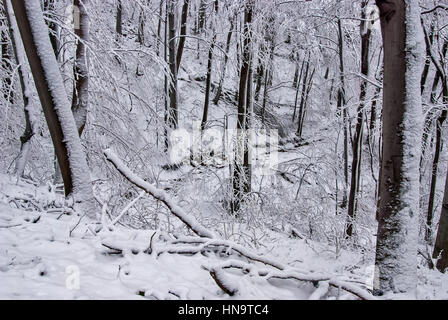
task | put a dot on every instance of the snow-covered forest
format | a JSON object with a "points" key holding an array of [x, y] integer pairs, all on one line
{"points": [[223, 149]]}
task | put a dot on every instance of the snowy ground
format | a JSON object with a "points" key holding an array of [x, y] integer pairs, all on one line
{"points": [[46, 255]]}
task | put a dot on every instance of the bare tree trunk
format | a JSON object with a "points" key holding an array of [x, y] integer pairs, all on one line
{"points": [[302, 99], [343, 110], [299, 80], [119, 19], [183, 33], [80, 101], [166, 81], [173, 119], [159, 28], [240, 178], [425, 73], [60, 120], [305, 103], [435, 166], [358, 139], [398, 205], [208, 83], [141, 27], [429, 117], [226, 59], [202, 15]]}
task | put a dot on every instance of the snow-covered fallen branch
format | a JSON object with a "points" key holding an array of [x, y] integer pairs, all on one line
{"points": [[208, 242], [322, 281], [159, 194]]}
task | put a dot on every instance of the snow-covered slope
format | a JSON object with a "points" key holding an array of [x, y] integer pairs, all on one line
{"points": [[45, 254]]}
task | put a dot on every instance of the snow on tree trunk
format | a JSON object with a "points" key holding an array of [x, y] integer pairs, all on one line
{"points": [[398, 206], [60, 120], [81, 88]]}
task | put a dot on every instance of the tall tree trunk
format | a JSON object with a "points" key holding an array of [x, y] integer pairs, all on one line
{"points": [[304, 109], [159, 28], [343, 110], [398, 205], [429, 42], [302, 98], [80, 99], [299, 81], [141, 27], [435, 167], [226, 59], [183, 33], [433, 99], [358, 139], [208, 83], [240, 178], [51, 91], [173, 112], [119, 19]]}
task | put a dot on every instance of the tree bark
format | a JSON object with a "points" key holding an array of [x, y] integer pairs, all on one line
{"points": [[80, 101], [240, 177], [358, 139], [119, 19], [398, 205], [183, 33], [173, 112], [208, 83], [343, 110], [226, 59]]}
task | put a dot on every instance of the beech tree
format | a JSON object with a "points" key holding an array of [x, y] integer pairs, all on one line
{"points": [[398, 204]]}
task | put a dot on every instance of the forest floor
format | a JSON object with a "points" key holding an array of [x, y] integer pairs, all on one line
{"points": [[48, 255]]}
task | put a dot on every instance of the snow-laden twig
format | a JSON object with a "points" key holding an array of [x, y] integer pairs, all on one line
{"points": [[126, 209], [160, 195]]}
